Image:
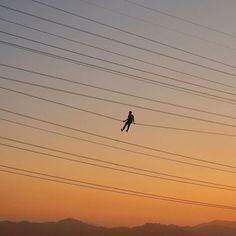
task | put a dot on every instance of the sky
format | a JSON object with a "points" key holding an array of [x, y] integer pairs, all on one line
{"points": [[191, 41]]}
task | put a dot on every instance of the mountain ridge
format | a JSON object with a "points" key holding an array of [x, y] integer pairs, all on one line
{"points": [[74, 227], [219, 223]]}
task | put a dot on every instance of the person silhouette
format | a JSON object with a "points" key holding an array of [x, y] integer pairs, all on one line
{"points": [[128, 121]]}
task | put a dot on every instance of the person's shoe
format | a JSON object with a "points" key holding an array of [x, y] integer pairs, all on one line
{"points": [[126, 130], [121, 130]]}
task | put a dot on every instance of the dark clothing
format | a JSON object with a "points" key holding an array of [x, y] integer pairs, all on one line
{"points": [[130, 118], [128, 122], [128, 125]]}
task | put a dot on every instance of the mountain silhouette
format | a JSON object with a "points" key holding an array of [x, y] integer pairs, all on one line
{"points": [[228, 224], [71, 227]]}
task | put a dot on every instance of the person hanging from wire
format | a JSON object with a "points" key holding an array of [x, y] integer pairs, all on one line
{"points": [[128, 121]]}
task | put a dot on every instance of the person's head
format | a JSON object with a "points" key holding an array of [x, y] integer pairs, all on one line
{"points": [[130, 112]]}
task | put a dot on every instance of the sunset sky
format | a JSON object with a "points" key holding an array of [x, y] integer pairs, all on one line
{"points": [[196, 38]]}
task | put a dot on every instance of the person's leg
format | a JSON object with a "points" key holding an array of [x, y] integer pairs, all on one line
{"points": [[128, 125], [124, 126]]}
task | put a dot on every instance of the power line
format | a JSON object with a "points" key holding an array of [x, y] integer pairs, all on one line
{"points": [[117, 164], [147, 173], [62, 104], [118, 41], [128, 67], [58, 179], [115, 91], [98, 143], [106, 162], [88, 186], [134, 144], [111, 168], [76, 108], [123, 74], [186, 130], [131, 33], [158, 126], [180, 18], [100, 99], [115, 72], [115, 53], [157, 24]]}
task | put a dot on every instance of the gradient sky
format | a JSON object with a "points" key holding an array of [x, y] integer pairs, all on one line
{"points": [[24, 198]]}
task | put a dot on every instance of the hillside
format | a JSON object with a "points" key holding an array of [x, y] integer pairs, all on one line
{"points": [[71, 227]]}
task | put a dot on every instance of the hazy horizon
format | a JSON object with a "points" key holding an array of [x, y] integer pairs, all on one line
{"points": [[113, 226]]}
